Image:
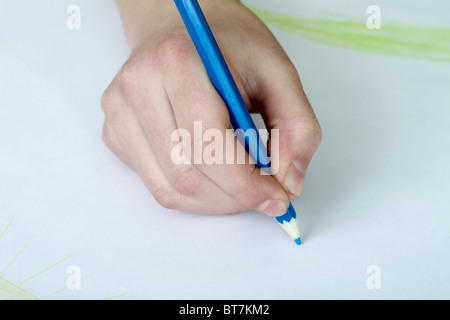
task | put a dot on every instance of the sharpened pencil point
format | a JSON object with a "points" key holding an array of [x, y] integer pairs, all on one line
{"points": [[289, 223]]}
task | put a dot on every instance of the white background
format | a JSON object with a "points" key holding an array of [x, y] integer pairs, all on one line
{"points": [[377, 191]]}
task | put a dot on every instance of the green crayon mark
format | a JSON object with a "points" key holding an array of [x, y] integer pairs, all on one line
{"points": [[416, 42]]}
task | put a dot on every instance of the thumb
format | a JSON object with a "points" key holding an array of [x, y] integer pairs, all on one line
{"points": [[289, 117]]}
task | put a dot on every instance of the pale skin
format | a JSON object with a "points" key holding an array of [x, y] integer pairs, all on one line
{"points": [[164, 86]]}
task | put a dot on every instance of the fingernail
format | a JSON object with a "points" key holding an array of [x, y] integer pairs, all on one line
{"points": [[295, 177], [272, 207]]}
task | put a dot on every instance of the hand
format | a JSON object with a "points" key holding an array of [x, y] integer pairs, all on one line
{"points": [[163, 86]]}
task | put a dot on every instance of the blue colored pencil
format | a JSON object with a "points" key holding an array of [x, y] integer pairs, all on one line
{"points": [[223, 81]]}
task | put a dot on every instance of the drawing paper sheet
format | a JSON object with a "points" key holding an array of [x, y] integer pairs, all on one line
{"points": [[376, 197]]}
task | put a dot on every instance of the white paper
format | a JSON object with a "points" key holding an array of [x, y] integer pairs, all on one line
{"points": [[376, 200]]}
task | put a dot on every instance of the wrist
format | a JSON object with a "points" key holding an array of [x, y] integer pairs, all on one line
{"points": [[146, 19]]}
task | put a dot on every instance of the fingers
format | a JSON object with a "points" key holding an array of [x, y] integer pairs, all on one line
{"points": [[145, 147], [142, 114], [194, 100], [164, 89], [284, 106]]}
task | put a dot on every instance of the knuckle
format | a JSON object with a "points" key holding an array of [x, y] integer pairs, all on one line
{"points": [[249, 189], [174, 51], [288, 69], [318, 134], [315, 132], [106, 136], [109, 106], [310, 128], [127, 78], [166, 197], [133, 82], [185, 180]]}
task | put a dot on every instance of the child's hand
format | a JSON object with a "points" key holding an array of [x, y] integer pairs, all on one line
{"points": [[164, 86]]}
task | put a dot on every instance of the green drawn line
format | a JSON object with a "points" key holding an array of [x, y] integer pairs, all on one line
{"points": [[416, 42]]}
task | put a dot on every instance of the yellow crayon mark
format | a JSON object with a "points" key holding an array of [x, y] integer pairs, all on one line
{"points": [[115, 297], [53, 265], [10, 291], [7, 226], [20, 252], [65, 288]]}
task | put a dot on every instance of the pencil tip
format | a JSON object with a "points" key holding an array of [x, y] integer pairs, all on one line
{"points": [[289, 223]]}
